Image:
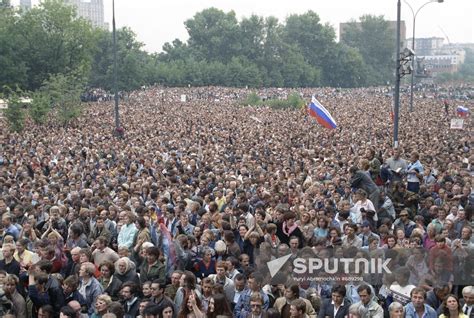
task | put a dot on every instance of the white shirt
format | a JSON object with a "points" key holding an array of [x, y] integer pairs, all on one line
{"points": [[469, 309]]}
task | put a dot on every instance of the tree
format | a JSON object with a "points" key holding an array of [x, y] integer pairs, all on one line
{"points": [[314, 40], [13, 68], [40, 107], [346, 68], [132, 61], [375, 41], [214, 35], [14, 113], [52, 40], [64, 92]]}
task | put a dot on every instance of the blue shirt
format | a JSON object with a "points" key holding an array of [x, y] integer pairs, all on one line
{"points": [[410, 312], [126, 235]]}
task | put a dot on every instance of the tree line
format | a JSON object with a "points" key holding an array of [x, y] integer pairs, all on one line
{"points": [[50, 53], [256, 51]]}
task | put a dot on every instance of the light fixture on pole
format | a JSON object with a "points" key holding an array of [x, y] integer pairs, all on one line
{"points": [[116, 96], [413, 44], [402, 68]]}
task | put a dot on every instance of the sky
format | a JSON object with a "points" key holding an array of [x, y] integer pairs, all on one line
{"points": [[159, 21]]}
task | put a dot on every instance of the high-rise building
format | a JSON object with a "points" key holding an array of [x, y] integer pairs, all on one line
{"points": [[25, 4], [426, 46], [92, 10]]}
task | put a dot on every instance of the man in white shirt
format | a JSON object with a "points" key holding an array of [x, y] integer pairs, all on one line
{"points": [[468, 296]]}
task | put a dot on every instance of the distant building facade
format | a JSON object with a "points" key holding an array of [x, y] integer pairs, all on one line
{"points": [[25, 4], [426, 46], [392, 25], [92, 10]]}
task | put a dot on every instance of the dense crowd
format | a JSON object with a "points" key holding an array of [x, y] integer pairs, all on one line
{"points": [[181, 215]]}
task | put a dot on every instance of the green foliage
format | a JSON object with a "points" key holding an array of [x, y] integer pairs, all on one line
{"points": [[40, 107], [293, 100], [14, 113], [64, 92], [252, 99], [13, 68], [52, 41], [375, 41]]}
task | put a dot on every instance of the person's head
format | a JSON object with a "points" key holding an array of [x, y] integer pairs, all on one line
{"points": [[441, 291], [256, 304], [297, 308], [294, 242], [450, 304], [67, 312], [102, 303], [218, 304], [351, 230], [141, 307], [418, 296], [22, 245], [122, 265], [175, 277], [11, 281], [365, 293], [46, 311], [468, 295], [292, 292], [290, 218], [156, 288], [8, 250], [221, 269], [70, 284], [101, 243], [76, 306], [244, 260], [76, 254], [129, 290], [165, 312], [240, 281], [87, 270], [396, 310], [338, 293], [107, 269], [152, 254], [207, 286], [255, 281], [188, 280]]}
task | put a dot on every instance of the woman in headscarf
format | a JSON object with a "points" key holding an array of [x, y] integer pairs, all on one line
{"points": [[125, 270]]}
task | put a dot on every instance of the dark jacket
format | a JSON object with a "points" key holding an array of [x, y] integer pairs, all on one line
{"points": [[131, 311], [55, 293], [130, 276], [156, 271], [327, 309], [113, 288]]}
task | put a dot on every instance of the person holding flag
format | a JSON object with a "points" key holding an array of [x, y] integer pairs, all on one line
{"points": [[322, 115]]}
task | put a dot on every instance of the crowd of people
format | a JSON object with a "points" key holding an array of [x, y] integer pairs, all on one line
{"points": [[181, 215]]}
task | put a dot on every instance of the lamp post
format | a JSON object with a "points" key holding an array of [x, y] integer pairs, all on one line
{"points": [[396, 95], [413, 43], [116, 97], [402, 68]]}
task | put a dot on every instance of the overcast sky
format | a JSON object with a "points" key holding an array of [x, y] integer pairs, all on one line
{"points": [[158, 21]]}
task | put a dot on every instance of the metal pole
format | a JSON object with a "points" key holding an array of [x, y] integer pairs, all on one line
{"points": [[412, 65], [397, 80], [117, 119]]}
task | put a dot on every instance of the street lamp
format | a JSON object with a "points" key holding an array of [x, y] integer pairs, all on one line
{"points": [[402, 68], [116, 97], [413, 43]]}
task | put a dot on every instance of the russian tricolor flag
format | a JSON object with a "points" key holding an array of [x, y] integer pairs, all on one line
{"points": [[318, 111], [462, 111]]}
